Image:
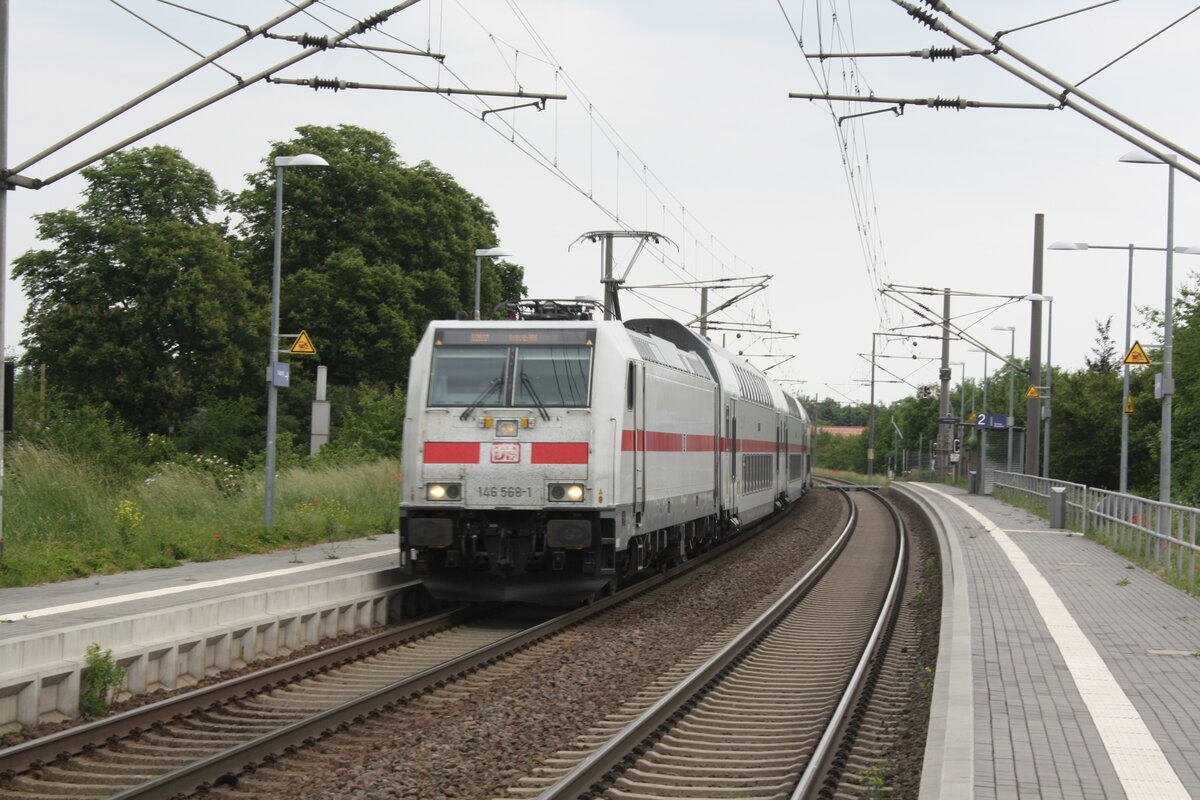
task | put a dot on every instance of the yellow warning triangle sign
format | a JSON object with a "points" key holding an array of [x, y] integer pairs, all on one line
{"points": [[303, 346], [1032, 392], [1136, 355], [1129, 404]]}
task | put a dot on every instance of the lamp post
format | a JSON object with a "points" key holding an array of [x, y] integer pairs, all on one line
{"points": [[983, 430], [1012, 354], [302, 160], [1124, 479], [1168, 379], [1045, 298], [491, 252]]}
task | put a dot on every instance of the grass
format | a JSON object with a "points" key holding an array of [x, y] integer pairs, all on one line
{"points": [[853, 477], [64, 519]]}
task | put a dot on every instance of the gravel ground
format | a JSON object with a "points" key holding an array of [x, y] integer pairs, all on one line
{"points": [[451, 745], [896, 767]]}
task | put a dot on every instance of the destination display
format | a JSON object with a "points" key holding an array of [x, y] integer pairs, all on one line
{"points": [[514, 336]]}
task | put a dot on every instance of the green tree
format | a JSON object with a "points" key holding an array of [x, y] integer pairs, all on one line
{"points": [[917, 418], [841, 452], [1086, 437], [1185, 368], [1104, 354], [139, 306], [372, 250]]}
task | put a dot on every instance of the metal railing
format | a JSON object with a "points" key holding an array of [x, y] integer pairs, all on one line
{"points": [[1034, 492], [1160, 534]]}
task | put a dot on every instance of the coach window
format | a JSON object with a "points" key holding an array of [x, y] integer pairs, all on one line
{"points": [[465, 375]]}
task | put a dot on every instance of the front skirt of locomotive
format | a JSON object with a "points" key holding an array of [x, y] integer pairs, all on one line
{"points": [[510, 555]]}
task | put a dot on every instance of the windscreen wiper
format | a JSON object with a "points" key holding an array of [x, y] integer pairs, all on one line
{"points": [[491, 387], [528, 384]]}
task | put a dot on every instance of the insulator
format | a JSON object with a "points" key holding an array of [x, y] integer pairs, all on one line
{"points": [[371, 22], [308, 40], [947, 102], [934, 53], [326, 83], [922, 16]]}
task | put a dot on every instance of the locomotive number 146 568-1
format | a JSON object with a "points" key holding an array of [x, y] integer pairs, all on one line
{"points": [[505, 492]]}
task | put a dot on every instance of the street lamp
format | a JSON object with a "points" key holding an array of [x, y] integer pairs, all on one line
{"points": [[1045, 298], [302, 160], [1128, 334], [1012, 353], [1168, 380], [491, 252]]}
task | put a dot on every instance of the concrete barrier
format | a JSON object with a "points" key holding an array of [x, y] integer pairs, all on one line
{"points": [[41, 674]]}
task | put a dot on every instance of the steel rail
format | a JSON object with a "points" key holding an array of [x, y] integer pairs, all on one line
{"points": [[62, 746], [268, 746], [591, 770], [820, 766], [36, 752]]}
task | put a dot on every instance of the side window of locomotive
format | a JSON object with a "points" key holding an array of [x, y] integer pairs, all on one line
{"points": [[465, 375], [552, 376]]}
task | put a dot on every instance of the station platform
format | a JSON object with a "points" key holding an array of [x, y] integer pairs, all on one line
{"points": [[1064, 670], [172, 627]]}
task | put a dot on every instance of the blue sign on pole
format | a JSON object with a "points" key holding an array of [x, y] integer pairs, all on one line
{"points": [[992, 421]]}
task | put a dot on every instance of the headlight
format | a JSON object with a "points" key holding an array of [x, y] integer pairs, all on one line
{"points": [[506, 429], [566, 492], [443, 491]]}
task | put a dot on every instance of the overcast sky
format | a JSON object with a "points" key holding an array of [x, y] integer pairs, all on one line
{"points": [[678, 121]]}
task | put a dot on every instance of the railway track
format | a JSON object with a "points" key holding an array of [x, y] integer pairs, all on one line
{"points": [[206, 738], [771, 713], [177, 744]]}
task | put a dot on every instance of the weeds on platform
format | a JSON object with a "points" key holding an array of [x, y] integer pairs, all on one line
{"points": [[102, 678]]}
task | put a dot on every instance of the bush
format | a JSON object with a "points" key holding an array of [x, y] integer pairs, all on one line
{"points": [[373, 424], [89, 434], [229, 429]]}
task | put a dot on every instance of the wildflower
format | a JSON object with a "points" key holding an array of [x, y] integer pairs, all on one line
{"points": [[128, 514]]}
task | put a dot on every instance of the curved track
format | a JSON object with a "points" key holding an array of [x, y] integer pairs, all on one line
{"points": [[202, 738], [765, 714]]}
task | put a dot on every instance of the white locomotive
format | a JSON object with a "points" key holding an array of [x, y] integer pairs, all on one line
{"points": [[549, 458]]}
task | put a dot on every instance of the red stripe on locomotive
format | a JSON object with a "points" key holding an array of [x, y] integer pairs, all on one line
{"points": [[452, 452], [559, 453]]}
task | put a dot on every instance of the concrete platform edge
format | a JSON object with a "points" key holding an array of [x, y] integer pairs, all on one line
{"points": [[948, 770], [179, 645]]}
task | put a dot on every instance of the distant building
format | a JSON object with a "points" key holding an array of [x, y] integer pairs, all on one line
{"points": [[841, 430]]}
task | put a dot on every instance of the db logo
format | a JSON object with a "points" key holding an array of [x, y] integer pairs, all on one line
{"points": [[506, 453]]}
